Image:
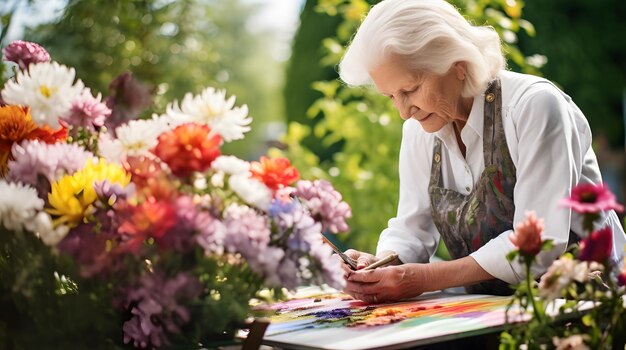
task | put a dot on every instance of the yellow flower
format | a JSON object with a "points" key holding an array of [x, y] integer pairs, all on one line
{"points": [[72, 196]]}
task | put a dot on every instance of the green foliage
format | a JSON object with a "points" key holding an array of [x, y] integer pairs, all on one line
{"points": [[42, 307], [583, 41], [175, 46], [367, 127]]}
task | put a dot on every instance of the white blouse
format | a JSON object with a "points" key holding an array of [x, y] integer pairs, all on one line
{"points": [[549, 140]]}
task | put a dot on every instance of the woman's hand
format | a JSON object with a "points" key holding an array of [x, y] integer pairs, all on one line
{"points": [[386, 283]]}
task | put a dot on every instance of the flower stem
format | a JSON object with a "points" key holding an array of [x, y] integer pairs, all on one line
{"points": [[531, 294]]}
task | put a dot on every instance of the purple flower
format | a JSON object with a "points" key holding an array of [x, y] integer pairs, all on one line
{"points": [[157, 306], [325, 204], [182, 237], [128, 98], [24, 53], [112, 192], [89, 250], [87, 111], [39, 164]]}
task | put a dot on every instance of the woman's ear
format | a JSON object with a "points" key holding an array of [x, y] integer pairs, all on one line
{"points": [[460, 69]]}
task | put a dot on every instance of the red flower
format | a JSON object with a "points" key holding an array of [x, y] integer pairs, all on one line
{"points": [[188, 148], [598, 246], [621, 279], [151, 181], [275, 173], [527, 235], [150, 219], [591, 198], [16, 125]]}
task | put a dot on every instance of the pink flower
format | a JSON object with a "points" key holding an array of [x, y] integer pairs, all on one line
{"points": [[598, 246], [24, 53], [87, 111], [527, 235], [591, 198]]}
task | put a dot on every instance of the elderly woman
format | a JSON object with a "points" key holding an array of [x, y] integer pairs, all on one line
{"points": [[480, 147]]}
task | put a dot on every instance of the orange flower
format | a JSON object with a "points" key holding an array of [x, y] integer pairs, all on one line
{"points": [[16, 125], [527, 236], [149, 219], [275, 173], [188, 148]]}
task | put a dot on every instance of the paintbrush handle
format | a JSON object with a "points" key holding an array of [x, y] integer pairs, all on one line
{"points": [[384, 261], [348, 260]]}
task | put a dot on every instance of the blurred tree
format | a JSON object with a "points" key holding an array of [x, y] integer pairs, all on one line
{"points": [[304, 69], [365, 124], [176, 46], [584, 43]]}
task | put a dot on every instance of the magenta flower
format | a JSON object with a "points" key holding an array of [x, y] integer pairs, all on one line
{"points": [[597, 247], [87, 111], [24, 53], [591, 198], [527, 235]]}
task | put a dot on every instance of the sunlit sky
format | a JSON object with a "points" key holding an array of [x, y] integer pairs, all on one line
{"points": [[281, 15]]}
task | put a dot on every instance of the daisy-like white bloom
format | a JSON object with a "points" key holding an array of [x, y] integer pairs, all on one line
{"points": [[251, 191], [211, 107], [573, 342], [48, 88], [231, 165], [19, 204], [135, 138], [561, 274]]}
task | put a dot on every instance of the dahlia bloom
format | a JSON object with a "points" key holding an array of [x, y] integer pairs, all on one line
{"points": [[188, 148], [527, 235], [25, 53], [148, 219], [275, 173], [16, 126]]}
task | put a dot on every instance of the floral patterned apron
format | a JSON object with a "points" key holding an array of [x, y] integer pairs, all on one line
{"points": [[467, 222]]}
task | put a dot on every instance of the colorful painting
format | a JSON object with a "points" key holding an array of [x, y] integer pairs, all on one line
{"points": [[332, 320]]}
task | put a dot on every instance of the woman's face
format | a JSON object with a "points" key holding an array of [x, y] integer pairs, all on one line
{"points": [[433, 100]]}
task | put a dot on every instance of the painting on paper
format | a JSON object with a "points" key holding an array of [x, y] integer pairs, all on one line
{"points": [[332, 320]]}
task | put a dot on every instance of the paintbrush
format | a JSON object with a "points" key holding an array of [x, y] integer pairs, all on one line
{"points": [[351, 262], [384, 261]]}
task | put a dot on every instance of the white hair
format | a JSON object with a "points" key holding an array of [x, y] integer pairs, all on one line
{"points": [[431, 34]]}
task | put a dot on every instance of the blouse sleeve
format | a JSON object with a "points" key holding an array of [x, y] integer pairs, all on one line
{"points": [[412, 233], [551, 145]]}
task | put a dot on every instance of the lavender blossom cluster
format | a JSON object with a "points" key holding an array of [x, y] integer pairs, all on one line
{"points": [[325, 204], [157, 307]]}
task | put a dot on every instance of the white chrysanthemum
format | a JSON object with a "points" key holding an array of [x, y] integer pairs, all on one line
{"points": [[135, 138], [48, 88], [231, 165], [252, 191], [42, 226], [212, 108], [18, 205]]}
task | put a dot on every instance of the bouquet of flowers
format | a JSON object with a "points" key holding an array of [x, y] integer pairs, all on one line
{"points": [[124, 232], [579, 303]]}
